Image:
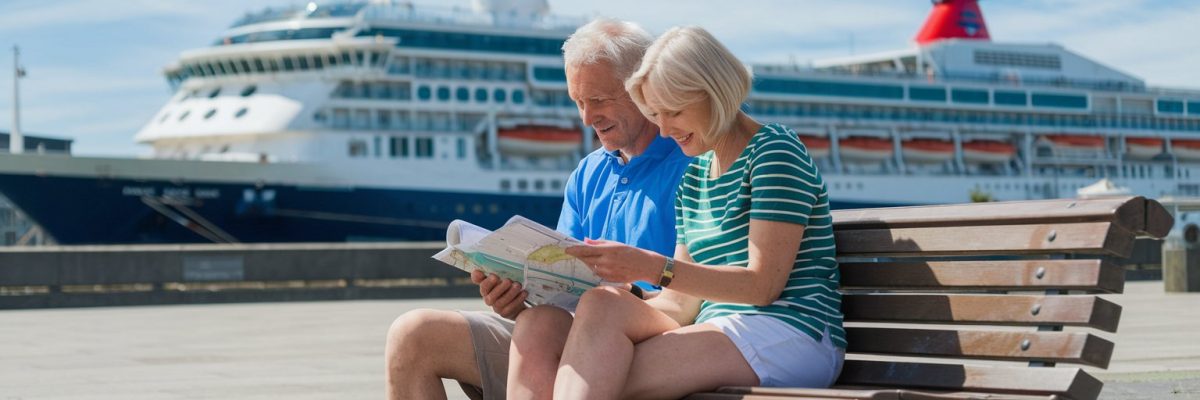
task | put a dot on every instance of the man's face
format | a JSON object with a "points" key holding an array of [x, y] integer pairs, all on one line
{"points": [[605, 105]]}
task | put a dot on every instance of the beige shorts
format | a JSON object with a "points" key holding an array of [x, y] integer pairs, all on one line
{"points": [[491, 334]]}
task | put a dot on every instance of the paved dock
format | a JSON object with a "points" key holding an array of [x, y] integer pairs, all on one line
{"points": [[333, 350]]}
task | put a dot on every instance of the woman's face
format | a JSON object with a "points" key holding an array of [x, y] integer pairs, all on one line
{"points": [[686, 126]]}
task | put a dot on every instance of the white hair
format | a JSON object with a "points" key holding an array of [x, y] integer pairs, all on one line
{"points": [[620, 43], [688, 65]]}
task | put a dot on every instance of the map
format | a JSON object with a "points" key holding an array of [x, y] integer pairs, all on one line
{"points": [[525, 252]]}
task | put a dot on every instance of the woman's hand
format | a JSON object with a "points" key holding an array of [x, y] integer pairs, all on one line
{"points": [[616, 262]]}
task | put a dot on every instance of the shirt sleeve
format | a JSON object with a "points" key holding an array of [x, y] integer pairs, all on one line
{"points": [[679, 216], [570, 221], [784, 185]]}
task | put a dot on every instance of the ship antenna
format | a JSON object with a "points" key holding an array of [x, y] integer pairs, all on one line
{"points": [[16, 142]]}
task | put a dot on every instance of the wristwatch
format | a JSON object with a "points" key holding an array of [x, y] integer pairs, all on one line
{"points": [[668, 273]]}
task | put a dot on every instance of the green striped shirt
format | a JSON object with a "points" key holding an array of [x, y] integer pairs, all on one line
{"points": [[773, 179]]}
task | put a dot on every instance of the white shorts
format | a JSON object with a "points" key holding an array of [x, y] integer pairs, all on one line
{"points": [[780, 354]]}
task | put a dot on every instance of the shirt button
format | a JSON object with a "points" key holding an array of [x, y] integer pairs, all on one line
{"points": [[624, 181]]}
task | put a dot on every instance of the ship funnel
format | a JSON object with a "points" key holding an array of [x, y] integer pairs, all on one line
{"points": [[953, 19]]}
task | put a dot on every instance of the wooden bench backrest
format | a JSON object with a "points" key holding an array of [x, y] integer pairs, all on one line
{"points": [[992, 266]]}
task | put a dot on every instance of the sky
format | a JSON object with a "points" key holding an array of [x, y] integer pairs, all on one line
{"points": [[94, 67]]}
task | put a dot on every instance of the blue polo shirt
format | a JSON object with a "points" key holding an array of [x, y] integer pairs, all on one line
{"points": [[631, 203]]}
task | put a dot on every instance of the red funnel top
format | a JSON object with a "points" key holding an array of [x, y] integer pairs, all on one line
{"points": [[953, 19]]}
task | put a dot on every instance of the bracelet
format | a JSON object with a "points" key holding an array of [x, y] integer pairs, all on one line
{"points": [[668, 273]]}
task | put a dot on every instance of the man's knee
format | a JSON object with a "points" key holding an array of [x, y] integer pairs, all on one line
{"points": [[423, 333]]}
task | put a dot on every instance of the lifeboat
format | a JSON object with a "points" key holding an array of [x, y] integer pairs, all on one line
{"points": [[1075, 142], [862, 148], [818, 147], [1142, 148], [1186, 149], [538, 140], [988, 151], [927, 150]]}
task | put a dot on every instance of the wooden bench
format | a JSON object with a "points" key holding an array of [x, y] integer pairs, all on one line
{"points": [[931, 290]]}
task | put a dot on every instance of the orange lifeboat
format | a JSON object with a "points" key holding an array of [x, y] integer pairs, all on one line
{"points": [[1075, 142], [927, 150], [864, 148], [539, 140], [988, 151], [1139, 148], [818, 147], [1186, 149]]}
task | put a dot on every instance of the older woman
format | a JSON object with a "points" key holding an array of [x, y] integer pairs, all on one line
{"points": [[750, 297]]}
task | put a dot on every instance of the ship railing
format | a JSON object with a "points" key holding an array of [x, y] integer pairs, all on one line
{"points": [[989, 78], [457, 16]]}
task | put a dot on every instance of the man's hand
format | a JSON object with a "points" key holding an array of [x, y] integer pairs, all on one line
{"points": [[506, 297]]}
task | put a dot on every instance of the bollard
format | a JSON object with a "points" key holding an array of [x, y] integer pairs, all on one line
{"points": [[1181, 258]]}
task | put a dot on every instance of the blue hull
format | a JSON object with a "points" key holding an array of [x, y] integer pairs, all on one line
{"points": [[115, 211]]}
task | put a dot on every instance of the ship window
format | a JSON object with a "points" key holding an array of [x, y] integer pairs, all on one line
{"points": [[384, 119], [184, 115], [539, 185], [505, 185], [241, 112], [318, 62], [556, 184], [481, 95], [500, 96], [287, 64], [551, 74], [220, 68], [424, 148], [164, 117], [1170, 106], [246, 65], [1193, 107], [346, 58], [249, 90], [1010, 98], [302, 62], [273, 64], [1059, 100], [462, 94], [210, 113], [518, 96], [969, 96], [462, 148], [358, 148], [443, 93], [258, 65], [522, 184], [399, 146], [378, 147], [823, 88], [319, 116], [423, 92], [214, 93], [493, 208], [927, 93]]}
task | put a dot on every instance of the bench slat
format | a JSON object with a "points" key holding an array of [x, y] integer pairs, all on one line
{"points": [[1069, 382], [1014, 310], [1091, 275], [1079, 238], [1078, 348], [1126, 211]]}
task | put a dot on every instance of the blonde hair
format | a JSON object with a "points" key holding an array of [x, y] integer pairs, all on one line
{"points": [[688, 65], [620, 43]]}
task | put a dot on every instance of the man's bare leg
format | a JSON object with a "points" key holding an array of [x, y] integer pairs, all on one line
{"points": [[424, 346]]}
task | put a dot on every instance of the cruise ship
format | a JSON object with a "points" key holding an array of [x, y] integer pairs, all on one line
{"points": [[384, 120]]}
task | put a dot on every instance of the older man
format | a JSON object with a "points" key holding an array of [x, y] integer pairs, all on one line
{"points": [[623, 192]]}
